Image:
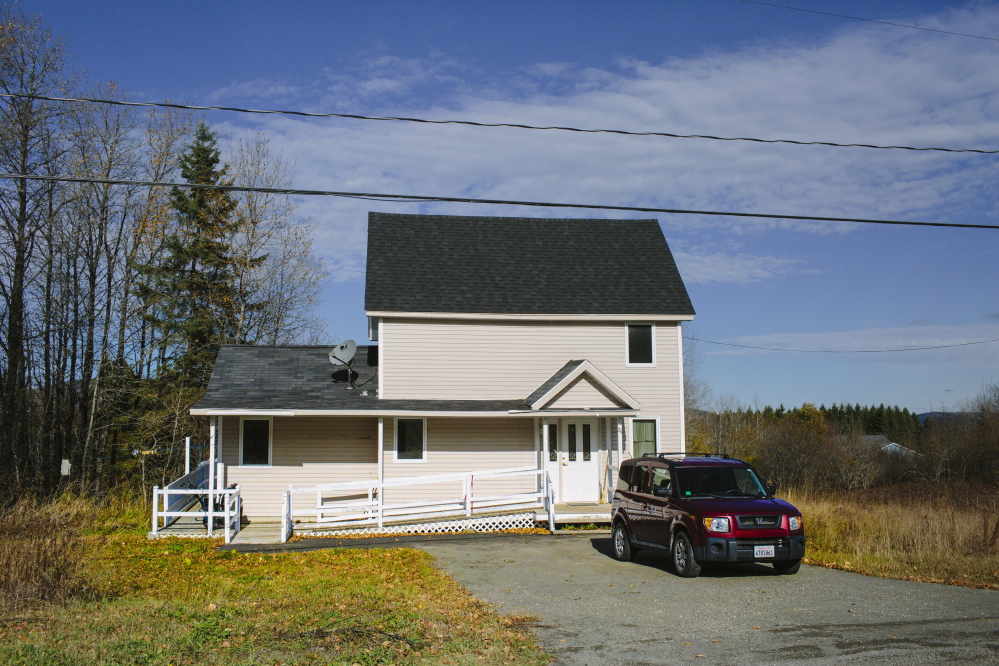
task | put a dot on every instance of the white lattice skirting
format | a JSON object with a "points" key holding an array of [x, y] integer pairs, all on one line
{"points": [[514, 521]]}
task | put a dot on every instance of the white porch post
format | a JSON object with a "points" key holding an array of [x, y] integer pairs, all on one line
{"points": [[620, 439], [381, 471], [156, 513], [211, 475], [683, 399], [545, 444], [538, 459], [611, 469], [187, 456]]}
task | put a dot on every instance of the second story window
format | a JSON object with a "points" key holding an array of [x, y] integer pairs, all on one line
{"points": [[641, 347]]}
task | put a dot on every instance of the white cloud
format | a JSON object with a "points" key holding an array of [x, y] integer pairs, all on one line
{"points": [[721, 267], [865, 85]]}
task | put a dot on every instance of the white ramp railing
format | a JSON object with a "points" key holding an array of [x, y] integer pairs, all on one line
{"points": [[337, 507], [220, 508]]}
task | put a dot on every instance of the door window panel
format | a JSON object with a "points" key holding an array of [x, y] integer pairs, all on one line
{"points": [[571, 442]]}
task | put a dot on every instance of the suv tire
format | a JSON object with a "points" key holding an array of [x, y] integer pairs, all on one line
{"points": [[787, 567], [682, 554], [622, 543]]}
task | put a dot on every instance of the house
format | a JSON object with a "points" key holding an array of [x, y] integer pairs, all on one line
{"points": [[886, 445], [547, 345]]}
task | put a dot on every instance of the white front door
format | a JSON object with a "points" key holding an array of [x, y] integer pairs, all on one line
{"points": [[579, 460]]}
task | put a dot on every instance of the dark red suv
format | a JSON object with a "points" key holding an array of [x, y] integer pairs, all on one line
{"points": [[703, 509]]}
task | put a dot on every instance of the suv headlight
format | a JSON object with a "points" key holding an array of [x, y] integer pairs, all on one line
{"points": [[717, 524], [794, 523]]}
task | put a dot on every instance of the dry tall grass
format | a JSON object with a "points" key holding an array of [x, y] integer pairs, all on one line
{"points": [[42, 551], [929, 532]]}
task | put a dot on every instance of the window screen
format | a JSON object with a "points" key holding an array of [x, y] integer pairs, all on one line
{"points": [[640, 343], [256, 441], [409, 439]]}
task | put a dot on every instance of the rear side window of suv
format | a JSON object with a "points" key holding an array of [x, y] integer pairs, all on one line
{"points": [[640, 481], [624, 476]]}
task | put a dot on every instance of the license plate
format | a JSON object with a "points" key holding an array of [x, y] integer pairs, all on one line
{"points": [[763, 551]]}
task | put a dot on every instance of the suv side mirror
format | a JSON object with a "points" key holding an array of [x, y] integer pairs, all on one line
{"points": [[771, 488]]}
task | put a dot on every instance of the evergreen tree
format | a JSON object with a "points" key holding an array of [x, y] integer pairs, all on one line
{"points": [[191, 292]]}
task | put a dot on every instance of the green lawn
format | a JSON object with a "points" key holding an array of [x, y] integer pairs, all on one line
{"points": [[182, 601]]}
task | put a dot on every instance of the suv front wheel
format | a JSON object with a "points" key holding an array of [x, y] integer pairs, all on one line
{"points": [[683, 556], [622, 544]]}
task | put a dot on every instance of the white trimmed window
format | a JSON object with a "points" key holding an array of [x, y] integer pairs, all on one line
{"points": [[410, 440], [640, 344], [644, 436], [255, 441]]}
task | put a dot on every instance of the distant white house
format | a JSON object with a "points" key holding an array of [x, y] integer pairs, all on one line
{"points": [[886, 445]]}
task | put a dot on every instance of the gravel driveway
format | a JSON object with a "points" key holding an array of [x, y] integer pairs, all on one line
{"points": [[593, 609]]}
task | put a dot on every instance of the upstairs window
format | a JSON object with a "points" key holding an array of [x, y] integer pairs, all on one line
{"points": [[640, 344]]}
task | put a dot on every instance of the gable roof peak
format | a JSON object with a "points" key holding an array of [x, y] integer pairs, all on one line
{"points": [[521, 266]]}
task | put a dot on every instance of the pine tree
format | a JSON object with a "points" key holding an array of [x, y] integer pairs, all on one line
{"points": [[191, 293]]}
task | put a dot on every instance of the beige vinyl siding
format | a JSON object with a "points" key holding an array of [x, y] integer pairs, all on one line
{"points": [[490, 360], [581, 394], [463, 445], [307, 451]]}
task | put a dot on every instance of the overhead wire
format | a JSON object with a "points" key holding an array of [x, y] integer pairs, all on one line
{"points": [[840, 351], [417, 198], [473, 123], [857, 18]]}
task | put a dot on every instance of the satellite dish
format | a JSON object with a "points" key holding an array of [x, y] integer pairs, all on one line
{"points": [[343, 353]]}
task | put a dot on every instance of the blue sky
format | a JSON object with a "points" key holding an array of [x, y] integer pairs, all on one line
{"points": [[721, 67]]}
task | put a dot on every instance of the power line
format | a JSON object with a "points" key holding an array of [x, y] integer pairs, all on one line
{"points": [[841, 351], [419, 198], [857, 18], [472, 123]]}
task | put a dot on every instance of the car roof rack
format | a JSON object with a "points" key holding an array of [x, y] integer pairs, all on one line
{"points": [[724, 456]]}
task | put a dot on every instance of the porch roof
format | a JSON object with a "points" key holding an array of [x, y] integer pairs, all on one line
{"points": [[296, 380]]}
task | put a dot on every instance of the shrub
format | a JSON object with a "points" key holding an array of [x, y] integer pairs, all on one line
{"points": [[42, 553]]}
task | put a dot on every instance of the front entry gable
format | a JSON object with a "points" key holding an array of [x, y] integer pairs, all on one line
{"points": [[579, 385]]}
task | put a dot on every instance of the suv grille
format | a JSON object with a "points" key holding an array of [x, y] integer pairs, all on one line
{"points": [[747, 544], [758, 522]]}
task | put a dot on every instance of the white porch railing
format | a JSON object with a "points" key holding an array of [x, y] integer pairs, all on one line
{"points": [[356, 511], [218, 504]]}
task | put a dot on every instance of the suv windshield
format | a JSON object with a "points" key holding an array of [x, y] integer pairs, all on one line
{"points": [[718, 482]]}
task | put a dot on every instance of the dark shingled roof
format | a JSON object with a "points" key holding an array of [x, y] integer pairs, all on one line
{"points": [[299, 378], [552, 381], [512, 265]]}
